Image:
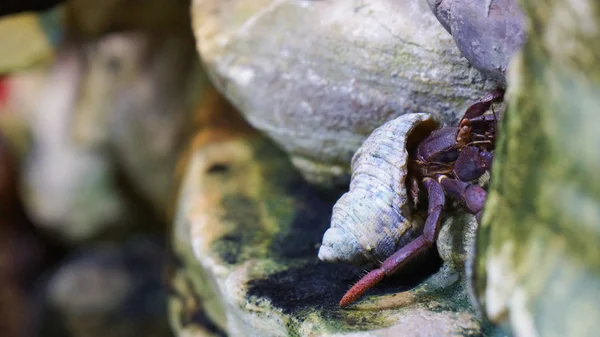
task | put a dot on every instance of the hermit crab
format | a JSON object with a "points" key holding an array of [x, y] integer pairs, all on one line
{"points": [[374, 220]]}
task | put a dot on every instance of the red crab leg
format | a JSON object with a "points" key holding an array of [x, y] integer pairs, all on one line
{"points": [[403, 255]]}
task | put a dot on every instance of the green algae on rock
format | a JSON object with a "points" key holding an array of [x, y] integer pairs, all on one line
{"points": [[538, 266], [319, 76], [246, 235]]}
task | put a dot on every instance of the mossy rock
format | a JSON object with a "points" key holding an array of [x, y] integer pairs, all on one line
{"points": [[538, 267], [246, 236]]}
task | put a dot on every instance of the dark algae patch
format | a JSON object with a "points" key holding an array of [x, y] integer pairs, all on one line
{"points": [[304, 213], [229, 247], [318, 285], [232, 247], [311, 220], [314, 285]]}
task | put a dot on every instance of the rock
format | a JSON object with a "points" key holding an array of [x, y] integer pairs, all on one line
{"points": [[109, 291], [456, 240], [488, 33], [138, 98], [331, 72], [39, 34], [35, 42], [246, 235], [69, 189], [537, 271], [107, 131]]}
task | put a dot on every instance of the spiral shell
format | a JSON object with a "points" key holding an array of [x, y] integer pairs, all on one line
{"points": [[373, 219]]}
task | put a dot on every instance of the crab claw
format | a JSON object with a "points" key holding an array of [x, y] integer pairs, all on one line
{"points": [[473, 196]]}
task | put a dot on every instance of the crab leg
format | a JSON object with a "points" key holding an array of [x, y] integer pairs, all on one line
{"points": [[403, 255], [471, 195]]}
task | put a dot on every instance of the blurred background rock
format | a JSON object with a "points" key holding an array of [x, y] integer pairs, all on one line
{"points": [[22, 254], [96, 102], [108, 290]]}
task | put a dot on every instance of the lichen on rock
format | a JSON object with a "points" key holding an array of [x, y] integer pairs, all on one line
{"points": [[537, 270]]}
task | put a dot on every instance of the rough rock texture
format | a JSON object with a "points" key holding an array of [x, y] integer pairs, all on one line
{"points": [[246, 236], [109, 290], [107, 129], [538, 271], [488, 33], [319, 76]]}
